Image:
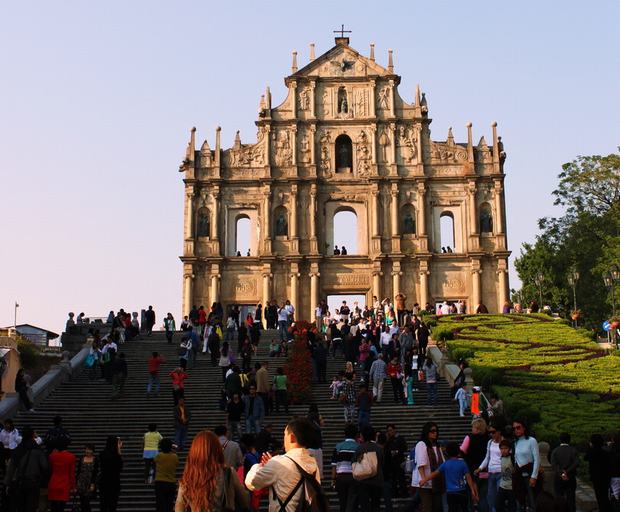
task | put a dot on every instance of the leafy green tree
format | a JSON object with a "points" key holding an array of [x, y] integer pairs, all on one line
{"points": [[586, 237]]}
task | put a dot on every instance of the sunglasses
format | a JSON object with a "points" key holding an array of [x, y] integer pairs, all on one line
{"points": [[434, 430]]}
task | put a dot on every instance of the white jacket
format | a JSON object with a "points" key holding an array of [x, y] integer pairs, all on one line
{"points": [[282, 474]]}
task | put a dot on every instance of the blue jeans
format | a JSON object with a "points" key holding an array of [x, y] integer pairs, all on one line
{"points": [[432, 393], [180, 435], [252, 425], [282, 327], [363, 418], [493, 486], [153, 383], [463, 406]]}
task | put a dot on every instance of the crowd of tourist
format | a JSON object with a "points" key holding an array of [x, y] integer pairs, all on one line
{"points": [[243, 464]]}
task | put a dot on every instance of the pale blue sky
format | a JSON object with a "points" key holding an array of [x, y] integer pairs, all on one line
{"points": [[97, 99]]}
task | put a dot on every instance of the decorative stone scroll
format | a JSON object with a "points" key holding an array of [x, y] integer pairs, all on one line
{"points": [[447, 153]]}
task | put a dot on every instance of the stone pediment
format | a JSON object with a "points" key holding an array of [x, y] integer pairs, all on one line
{"points": [[341, 61]]}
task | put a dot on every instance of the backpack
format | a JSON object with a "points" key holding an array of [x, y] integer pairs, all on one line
{"points": [[313, 500]]}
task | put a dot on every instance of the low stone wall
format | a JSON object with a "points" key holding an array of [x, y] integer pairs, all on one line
{"points": [[55, 376]]}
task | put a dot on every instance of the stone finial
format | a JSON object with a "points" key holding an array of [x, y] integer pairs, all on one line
{"points": [[294, 64], [417, 95], [268, 98], [450, 139], [372, 52], [312, 55], [218, 144], [391, 60], [262, 104], [495, 143], [237, 143], [470, 143]]}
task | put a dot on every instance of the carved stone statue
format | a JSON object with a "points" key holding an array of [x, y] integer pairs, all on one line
{"points": [[362, 154], [384, 98], [283, 153], [344, 156], [343, 104], [204, 225], [486, 221], [326, 109], [281, 225], [304, 150], [408, 224], [304, 100], [384, 142], [325, 157]]}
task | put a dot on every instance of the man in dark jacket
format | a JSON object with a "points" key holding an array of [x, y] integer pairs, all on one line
{"points": [[149, 316], [119, 375], [319, 354], [394, 450], [370, 490], [27, 471], [564, 461]]}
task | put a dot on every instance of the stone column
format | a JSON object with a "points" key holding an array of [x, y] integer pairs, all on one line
{"points": [[312, 100], [188, 290], [373, 99], [394, 209], [266, 288], [189, 212], [473, 217], [294, 288], [475, 286], [375, 213], [421, 209], [498, 225], [216, 214], [215, 287], [294, 144], [392, 99], [393, 145], [502, 289], [314, 248], [373, 144], [376, 284], [396, 283], [267, 221], [424, 273], [313, 145], [314, 294], [293, 211]]}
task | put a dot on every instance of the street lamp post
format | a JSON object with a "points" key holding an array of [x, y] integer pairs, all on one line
{"points": [[573, 277], [539, 279], [610, 279]]}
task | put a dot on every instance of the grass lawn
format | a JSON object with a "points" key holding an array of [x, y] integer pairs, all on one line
{"points": [[548, 372]]}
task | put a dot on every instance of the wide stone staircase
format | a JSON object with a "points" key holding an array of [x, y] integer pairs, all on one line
{"points": [[90, 415]]}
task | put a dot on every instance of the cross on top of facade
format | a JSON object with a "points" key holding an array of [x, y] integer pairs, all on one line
{"points": [[342, 31]]}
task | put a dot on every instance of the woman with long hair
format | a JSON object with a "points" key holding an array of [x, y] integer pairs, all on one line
{"points": [[110, 467], [428, 457], [207, 483]]}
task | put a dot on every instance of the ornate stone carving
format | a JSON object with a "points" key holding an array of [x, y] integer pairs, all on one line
{"points": [[361, 103], [326, 102], [245, 286], [384, 98], [304, 99], [363, 155], [447, 153], [407, 142], [246, 155], [205, 155], [305, 151], [356, 279], [283, 153], [483, 152], [325, 141]]}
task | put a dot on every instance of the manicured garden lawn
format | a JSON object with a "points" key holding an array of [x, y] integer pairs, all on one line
{"points": [[543, 369]]}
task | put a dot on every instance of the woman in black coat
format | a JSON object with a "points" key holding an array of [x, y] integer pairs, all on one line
{"points": [[21, 387], [110, 467]]}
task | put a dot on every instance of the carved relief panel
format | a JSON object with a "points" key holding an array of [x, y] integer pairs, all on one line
{"points": [[282, 149]]}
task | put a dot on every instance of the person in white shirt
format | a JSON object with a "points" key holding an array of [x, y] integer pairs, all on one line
{"points": [[428, 457], [281, 473], [9, 435], [445, 308], [283, 322], [291, 312]]}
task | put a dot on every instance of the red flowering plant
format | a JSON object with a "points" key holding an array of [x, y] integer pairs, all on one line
{"points": [[298, 366]]}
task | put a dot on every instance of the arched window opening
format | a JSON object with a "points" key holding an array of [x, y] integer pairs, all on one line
{"points": [[344, 154], [446, 221], [486, 218], [280, 221], [345, 232], [203, 223], [343, 102], [408, 224], [242, 236]]}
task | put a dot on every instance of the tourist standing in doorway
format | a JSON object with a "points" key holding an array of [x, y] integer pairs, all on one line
{"points": [[149, 316]]}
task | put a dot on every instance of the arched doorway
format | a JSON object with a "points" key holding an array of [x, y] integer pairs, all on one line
{"points": [[446, 241], [346, 231], [344, 154], [242, 235]]}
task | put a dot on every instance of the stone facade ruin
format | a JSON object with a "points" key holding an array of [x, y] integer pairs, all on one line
{"points": [[345, 140]]}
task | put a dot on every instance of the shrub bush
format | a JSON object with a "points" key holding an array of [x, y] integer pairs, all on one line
{"points": [[28, 354], [441, 333]]}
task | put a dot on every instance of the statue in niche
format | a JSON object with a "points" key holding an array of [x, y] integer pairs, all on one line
{"points": [[486, 221], [343, 104], [384, 98], [344, 157], [281, 225], [304, 100], [204, 225], [384, 142], [408, 224]]}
